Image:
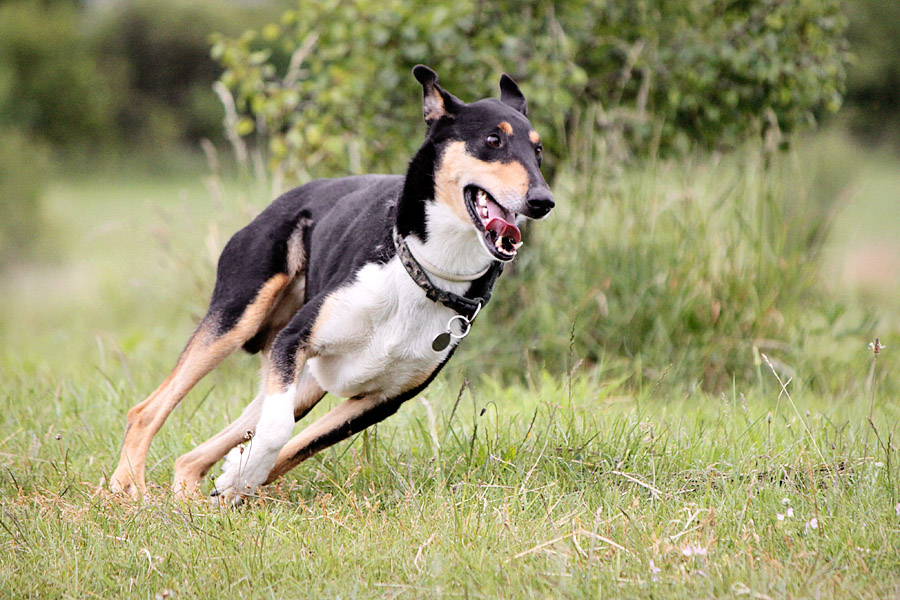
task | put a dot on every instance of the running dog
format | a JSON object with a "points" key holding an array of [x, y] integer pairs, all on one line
{"points": [[359, 286]]}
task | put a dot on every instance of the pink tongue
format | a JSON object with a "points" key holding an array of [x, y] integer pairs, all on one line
{"points": [[504, 229], [501, 226]]}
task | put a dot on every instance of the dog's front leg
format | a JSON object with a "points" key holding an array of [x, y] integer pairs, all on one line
{"points": [[191, 467], [247, 467]]}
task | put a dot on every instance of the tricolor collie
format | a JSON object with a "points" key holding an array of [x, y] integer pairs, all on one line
{"points": [[360, 286]]}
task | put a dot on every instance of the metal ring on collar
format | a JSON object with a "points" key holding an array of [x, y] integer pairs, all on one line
{"points": [[466, 326]]}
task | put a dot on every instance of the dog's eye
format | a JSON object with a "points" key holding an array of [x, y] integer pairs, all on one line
{"points": [[539, 153], [493, 140]]}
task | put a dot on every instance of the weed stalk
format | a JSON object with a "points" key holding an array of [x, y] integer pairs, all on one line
{"points": [[876, 347]]}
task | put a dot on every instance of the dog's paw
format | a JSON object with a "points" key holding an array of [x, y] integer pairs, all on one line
{"points": [[242, 473], [225, 499], [248, 466], [226, 483], [122, 482]]}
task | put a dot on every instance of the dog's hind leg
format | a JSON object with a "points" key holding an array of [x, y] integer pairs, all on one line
{"points": [[261, 265], [191, 467], [206, 349]]}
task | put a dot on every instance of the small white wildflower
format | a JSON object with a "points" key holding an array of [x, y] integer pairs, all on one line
{"points": [[813, 524], [790, 512], [654, 571], [876, 346], [779, 516], [897, 509], [878, 464], [785, 501], [697, 550]]}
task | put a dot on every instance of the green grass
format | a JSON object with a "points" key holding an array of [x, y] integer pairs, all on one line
{"points": [[579, 484], [574, 489]]}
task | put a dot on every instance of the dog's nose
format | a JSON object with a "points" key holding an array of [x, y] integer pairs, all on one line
{"points": [[539, 202]]}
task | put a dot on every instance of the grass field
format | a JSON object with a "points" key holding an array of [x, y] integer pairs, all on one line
{"points": [[581, 483]]}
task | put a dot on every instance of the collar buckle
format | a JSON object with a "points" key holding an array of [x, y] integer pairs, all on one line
{"points": [[462, 305]]}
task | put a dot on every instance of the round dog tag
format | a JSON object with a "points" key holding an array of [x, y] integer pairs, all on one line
{"points": [[441, 341]]}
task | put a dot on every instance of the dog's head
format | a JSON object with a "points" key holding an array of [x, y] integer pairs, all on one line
{"points": [[487, 162]]}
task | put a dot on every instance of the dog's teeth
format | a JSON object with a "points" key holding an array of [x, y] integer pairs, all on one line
{"points": [[482, 198], [484, 212], [517, 245]]}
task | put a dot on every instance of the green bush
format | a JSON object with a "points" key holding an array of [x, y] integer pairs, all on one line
{"points": [[328, 88], [50, 83]]}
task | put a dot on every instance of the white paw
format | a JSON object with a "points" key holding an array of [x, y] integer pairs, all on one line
{"points": [[247, 467], [242, 472], [231, 469]]}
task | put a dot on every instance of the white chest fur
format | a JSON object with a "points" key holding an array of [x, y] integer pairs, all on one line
{"points": [[375, 335]]}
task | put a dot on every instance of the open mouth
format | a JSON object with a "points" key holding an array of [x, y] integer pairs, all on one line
{"points": [[496, 224]]}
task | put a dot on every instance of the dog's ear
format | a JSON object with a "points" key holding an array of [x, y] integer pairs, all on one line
{"points": [[511, 94], [436, 102]]}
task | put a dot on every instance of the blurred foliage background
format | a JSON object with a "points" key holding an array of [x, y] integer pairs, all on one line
{"points": [[652, 77], [673, 130]]}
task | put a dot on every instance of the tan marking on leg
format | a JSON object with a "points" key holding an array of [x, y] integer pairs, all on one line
{"points": [[258, 310], [300, 447], [292, 297], [505, 127], [191, 467], [289, 302], [203, 352], [534, 137], [309, 392], [457, 168]]}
